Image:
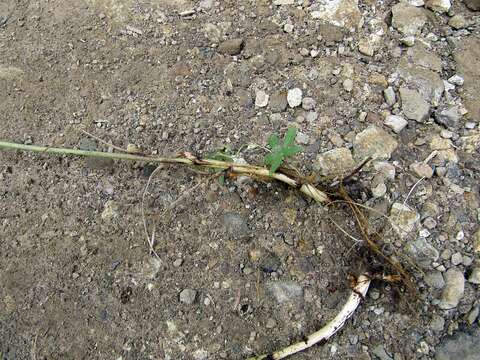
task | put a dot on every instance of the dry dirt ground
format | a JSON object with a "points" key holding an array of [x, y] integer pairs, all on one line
{"points": [[244, 267]]}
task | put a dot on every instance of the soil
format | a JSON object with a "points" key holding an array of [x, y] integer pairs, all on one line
{"points": [[77, 279]]}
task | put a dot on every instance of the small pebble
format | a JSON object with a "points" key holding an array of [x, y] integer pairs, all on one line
{"points": [[294, 97], [188, 296]]}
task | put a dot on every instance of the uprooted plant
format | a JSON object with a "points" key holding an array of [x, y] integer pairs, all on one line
{"points": [[223, 164]]}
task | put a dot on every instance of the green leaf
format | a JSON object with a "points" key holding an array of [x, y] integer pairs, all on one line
{"points": [[290, 136], [273, 141], [221, 180], [277, 161], [269, 158], [291, 150]]}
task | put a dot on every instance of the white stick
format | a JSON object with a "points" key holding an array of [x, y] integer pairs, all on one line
{"points": [[357, 295]]}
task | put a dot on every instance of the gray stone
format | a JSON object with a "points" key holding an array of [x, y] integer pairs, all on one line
{"points": [[334, 162], [308, 103], [461, 346], [448, 117], [380, 353], [403, 219], [374, 142], [235, 225], [261, 99], [407, 19], [231, 47], [270, 263], [453, 291], [413, 105], [473, 4], [294, 97], [395, 122], [440, 6], [472, 315], [424, 80], [212, 32], [474, 277], [188, 296], [423, 57], [437, 323], [457, 259], [285, 291], [422, 252], [435, 280], [390, 97], [302, 138], [278, 102]]}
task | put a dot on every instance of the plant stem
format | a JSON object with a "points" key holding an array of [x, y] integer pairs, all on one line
{"points": [[188, 159]]}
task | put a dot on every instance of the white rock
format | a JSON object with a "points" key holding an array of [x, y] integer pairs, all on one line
{"points": [[374, 142], [408, 40], [456, 80], [348, 85], [261, 99], [439, 5], [454, 289], [294, 97], [288, 28], [335, 162], [343, 13], [283, 2], [416, 3], [395, 122]]}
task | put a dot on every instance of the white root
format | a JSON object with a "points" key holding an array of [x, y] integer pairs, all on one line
{"points": [[358, 293]]}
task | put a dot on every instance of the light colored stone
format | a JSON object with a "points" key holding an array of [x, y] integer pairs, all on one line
{"points": [[335, 162], [418, 75], [285, 291], [110, 210], [288, 28], [474, 277], [454, 289], [212, 32], [440, 6], [374, 142], [414, 106], [435, 280], [283, 2], [385, 169], [395, 122], [416, 3], [458, 22], [10, 72], [422, 170], [366, 47], [308, 103], [408, 19], [344, 13], [404, 219], [408, 40], [457, 259], [476, 242], [348, 85], [456, 80], [188, 296], [261, 99], [390, 97], [294, 97]]}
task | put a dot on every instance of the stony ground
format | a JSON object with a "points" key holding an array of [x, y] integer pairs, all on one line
{"points": [[244, 267]]}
